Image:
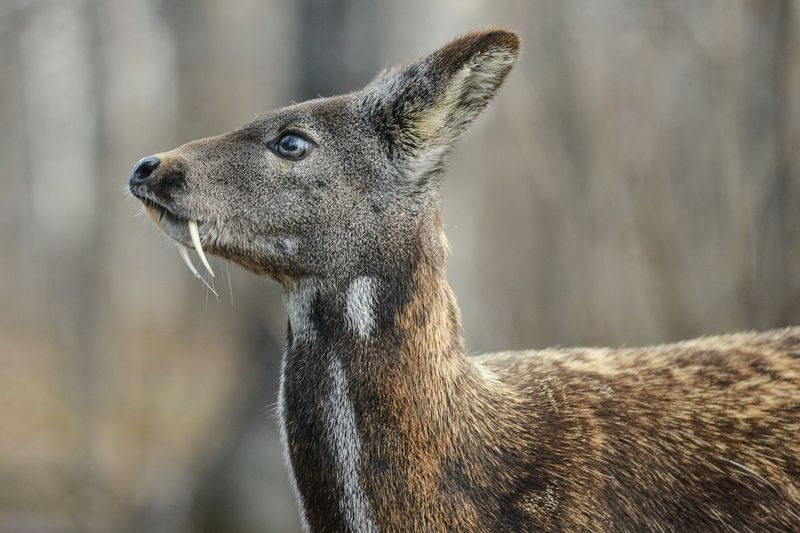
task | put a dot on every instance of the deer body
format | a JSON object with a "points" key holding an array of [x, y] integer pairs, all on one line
{"points": [[387, 424]]}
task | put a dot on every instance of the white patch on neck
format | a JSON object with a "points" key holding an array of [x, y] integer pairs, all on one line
{"points": [[287, 458], [299, 300], [343, 434], [360, 305]]}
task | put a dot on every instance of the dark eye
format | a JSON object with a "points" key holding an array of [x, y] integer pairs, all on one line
{"points": [[292, 146]]}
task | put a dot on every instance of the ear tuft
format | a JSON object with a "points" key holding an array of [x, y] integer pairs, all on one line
{"points": [[421, 108]]}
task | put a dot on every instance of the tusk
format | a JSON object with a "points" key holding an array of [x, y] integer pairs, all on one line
{"points": [[184, 253], [198, 247]]}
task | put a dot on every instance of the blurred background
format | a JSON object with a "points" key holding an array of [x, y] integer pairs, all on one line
{"points": [[636, 181]]}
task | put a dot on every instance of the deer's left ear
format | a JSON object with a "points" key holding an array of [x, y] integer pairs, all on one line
{"points": [[422, 107]]}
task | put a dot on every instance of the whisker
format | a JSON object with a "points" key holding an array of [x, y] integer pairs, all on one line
{"points": [[270, 410], [213, 289], [208, 286], [230, 286]]}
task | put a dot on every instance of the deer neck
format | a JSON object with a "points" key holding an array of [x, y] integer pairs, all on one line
{"points": [[395, 312], [374, 365]]}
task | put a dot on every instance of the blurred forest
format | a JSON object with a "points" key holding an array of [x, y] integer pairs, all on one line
{"points": [[636, 181]]}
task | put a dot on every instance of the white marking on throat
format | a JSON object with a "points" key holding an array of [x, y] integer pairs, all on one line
{"points": [[299, 301], [287, 458], [361, 305], [343, 434]]}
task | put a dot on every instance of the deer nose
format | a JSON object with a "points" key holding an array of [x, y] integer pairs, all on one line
{"points": [[144, 170]]}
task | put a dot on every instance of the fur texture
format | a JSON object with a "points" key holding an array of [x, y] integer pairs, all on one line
{"points": [[387, 424]]}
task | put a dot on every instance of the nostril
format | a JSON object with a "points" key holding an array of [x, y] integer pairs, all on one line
{"points": [[144, 169]]}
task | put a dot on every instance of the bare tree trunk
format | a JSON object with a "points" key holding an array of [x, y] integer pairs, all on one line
{"points": [[340, 43], [767, 159]]}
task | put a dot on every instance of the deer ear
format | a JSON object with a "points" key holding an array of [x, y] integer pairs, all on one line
{"points": [[422, 107]]}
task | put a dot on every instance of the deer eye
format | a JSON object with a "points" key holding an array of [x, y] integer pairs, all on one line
{"points": [[292, 146]]}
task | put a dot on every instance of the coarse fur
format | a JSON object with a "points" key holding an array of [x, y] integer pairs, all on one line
{"points": [[387, 424]]}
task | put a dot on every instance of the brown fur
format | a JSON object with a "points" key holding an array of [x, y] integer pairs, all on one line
{"points": [[695, 436], [388, 423]]}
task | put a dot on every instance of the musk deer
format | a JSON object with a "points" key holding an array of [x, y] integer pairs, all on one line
{"points": [[387, 424]]}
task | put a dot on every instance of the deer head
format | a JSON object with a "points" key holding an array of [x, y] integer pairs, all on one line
{"points": [[333, 186]]}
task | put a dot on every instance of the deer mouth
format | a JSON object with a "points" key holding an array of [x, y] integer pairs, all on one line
{"points": [[162, 216], [179, 228]]}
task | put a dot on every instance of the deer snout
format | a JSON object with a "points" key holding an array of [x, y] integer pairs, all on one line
{"points": [[144, 170], [159, 174]]}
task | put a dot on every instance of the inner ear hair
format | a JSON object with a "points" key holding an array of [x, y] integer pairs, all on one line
{"points": [[474, 66], [422, 107], [436, 97]]}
